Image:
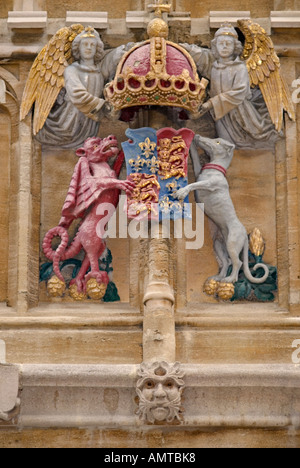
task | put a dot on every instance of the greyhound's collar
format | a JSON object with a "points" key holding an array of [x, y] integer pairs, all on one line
{"points": [[216, 167]]}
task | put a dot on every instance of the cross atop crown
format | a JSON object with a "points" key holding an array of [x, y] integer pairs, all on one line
{"points": [[160, 7]]}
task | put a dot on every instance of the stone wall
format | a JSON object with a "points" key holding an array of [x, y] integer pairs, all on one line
{"points": [[58, 345], [5, 128]]}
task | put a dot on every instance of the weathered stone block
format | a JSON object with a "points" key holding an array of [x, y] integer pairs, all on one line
{"points": [[2, 352], [9, 388], [285, 19], [95, 19], [27, 19]]}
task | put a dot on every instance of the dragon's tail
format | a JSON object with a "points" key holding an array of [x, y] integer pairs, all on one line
{"points": [[62, 252], [56, 255]]}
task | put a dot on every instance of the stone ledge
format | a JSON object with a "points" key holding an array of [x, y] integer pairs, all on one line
{"points": [[140, 19], [217, 18], [2, 352], [95, 19], [136, 19], [76, 375], [260, 396], [27, 19], [240, 323], [9, 388], [70, 323], [119, 27], [285, 19], [237, 375], [78, 395], [175, 17]]}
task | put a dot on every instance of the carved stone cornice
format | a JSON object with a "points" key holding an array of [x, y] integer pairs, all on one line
{"points": [[97, 20], [261, 396], [285, 19], [27, 19]]}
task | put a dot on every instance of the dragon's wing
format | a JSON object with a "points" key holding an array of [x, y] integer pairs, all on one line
{"points": [[264, 70], [46, 77]]}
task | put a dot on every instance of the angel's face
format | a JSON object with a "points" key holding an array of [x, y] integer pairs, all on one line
{"points": [[225, 46], [87, 48]]}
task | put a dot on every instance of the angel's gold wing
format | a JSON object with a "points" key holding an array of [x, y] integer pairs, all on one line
{"points": [[264, 71], [46, 77]]}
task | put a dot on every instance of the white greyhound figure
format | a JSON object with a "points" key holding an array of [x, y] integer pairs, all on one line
{"points": [[229, 235]]}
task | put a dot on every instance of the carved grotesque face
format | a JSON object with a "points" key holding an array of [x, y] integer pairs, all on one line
{"points": [[87, 48], [160, 392], [225, 46], [99, 150]]}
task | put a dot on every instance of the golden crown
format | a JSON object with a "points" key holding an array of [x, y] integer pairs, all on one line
{"points": [[156, 87], [89, 32], [227, 29]]}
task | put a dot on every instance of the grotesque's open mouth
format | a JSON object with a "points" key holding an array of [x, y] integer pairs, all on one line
{"points": [[111, 146]]}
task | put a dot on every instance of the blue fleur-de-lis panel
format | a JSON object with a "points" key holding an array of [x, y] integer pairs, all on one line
{"points": [[142, 169], [157, 162]]}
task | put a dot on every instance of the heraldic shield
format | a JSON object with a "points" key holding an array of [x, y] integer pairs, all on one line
{"points": [[157, 163]]}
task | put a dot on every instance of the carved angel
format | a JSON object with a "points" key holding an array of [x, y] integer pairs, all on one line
{"points": [[65, 85], [248, 95]]}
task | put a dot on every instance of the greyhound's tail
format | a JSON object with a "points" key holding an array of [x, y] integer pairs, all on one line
{"points": [[257, 266]]}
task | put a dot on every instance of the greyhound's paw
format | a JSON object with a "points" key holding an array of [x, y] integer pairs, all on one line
{"points": [[217, 278], [230, 279], [182, 193]]}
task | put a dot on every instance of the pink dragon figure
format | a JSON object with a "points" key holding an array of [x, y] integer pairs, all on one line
{"points": [[93, 183]]}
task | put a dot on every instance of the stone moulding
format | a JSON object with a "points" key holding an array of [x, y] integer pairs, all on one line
{"points": [[217, 18], [2, 352], [260, 396], [95, 19], [9, 388], [78, 395], [285, 19], [27, 20], [136, 19], [139, 19]]}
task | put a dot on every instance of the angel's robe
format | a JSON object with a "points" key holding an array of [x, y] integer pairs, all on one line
{"points": [[240, 114], [78, 110]]}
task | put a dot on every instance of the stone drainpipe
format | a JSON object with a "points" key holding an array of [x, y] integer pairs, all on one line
{"points": [[159, 323]]}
